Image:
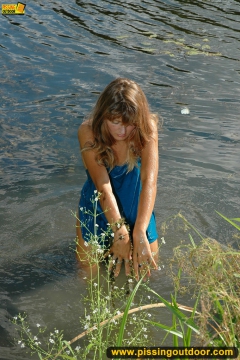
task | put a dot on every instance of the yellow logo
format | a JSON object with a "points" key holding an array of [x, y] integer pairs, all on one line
{"points": [[13, 9]]}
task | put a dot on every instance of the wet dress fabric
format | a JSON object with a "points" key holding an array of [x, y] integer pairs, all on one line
{"points": [[126, 187]]}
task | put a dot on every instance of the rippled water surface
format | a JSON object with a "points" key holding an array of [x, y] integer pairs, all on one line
{"points": [[55, 60]]}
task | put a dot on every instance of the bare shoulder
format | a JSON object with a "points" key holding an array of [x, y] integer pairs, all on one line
{"points": [[154, 125], [85, 134]]}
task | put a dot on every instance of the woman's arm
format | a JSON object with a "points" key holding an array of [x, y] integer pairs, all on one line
{"points": [[149, 172], [121, 248]]}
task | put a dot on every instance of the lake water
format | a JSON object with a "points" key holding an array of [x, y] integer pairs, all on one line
{"points": [[55, 60]]}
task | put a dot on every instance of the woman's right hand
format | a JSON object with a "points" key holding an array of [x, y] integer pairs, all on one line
{"points": [[121, 251]]}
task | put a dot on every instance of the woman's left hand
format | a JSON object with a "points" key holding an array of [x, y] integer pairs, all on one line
{"points": [[142, 256]]}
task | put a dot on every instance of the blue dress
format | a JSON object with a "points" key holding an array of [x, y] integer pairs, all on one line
{"points": [[127, 186]]}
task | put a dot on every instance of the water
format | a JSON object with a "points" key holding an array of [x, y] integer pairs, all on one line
{"points": [[55, 60]]}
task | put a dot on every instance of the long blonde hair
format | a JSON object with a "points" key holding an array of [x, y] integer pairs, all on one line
{"points": [[122, 98]]}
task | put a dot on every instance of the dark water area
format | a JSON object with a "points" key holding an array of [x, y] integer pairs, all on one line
{"points": [[55, 60]]}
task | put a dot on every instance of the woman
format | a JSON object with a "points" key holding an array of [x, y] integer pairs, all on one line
{"points": [[119, 147]]}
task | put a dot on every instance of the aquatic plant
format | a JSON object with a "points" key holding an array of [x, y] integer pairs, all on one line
{"points": [[213, 274]]}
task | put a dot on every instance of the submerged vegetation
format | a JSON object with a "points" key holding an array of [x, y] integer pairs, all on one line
{"points": [[123, 316]]}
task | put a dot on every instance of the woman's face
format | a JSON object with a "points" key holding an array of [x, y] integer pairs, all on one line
{"points": [[118, 130]]}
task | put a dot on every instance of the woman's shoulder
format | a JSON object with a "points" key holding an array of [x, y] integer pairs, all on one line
{"points": [[85, 134]]}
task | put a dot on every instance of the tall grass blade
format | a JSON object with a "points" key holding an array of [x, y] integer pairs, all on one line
{"points": [[229, 220]]}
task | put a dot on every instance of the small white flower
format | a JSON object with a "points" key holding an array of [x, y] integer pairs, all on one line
{"points": [[77, 348], [88, 317], [86, 327], [163, 240], [102, 234], [118, 312], [19, 342], [112, 234], [84, 278], [108, 297], [159, 268], [22, 345], [129, 334], [15, 317], [149, 297], [99, 251], [94, 311], [85, 243], [96, 199], [95, 284], [38, 325], [118, 226], [145, 335], [130, 280], [134, 318], [107, 311], [108, 224], [51, 341], [144, 329], [56, 331], [95, 191], [96, 225], [163, 266], [35, 338], [81, 208], [94, 327], [68, 352], [149, 315], [115, 287]]}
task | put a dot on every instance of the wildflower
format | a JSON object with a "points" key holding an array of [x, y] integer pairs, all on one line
{"points": [[129, 334], [67, 352], [35, 338], [163, 266], [77, 348], [96, 199], [115, 287], [19, 342], [130, 280], [84, 278], [102, 234], [22, 345], [94, 327], [149, 297], [145, 335], [15, 318], [88, 317], [159, 268], [134, 318], [95, 284], [38, 325], [114, 321], [56, 331], [108, 297], [96, 225], [149, 315], [94, 311], [112, 234], [86, 326], [95, 191], [99, 251], [163, 240], [144, 329], [85, 243], [118, 312], [81, 208], [51, 341]]}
